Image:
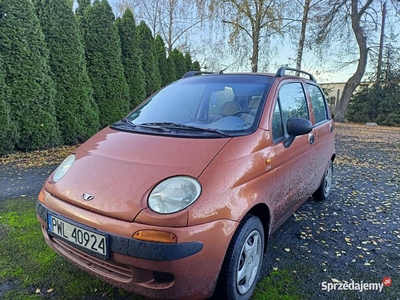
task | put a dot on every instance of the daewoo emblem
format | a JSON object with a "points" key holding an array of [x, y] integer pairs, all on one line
{"points": [[87, 197]]}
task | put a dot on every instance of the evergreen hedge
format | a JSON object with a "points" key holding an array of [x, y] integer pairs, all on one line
{"points": [[196, 66], [8, 130], [161, 57], [76, 111], [179, 62], [104, 63], [188, 60], [171, 69], [25, 59], [82, 5], [131, 58], [149, 60], [379, 102]]}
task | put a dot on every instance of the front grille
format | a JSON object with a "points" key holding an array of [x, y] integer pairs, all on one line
{"points": [[108, 269]]}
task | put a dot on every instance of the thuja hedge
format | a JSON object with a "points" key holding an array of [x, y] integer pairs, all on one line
{"points": [[27, 75], [76, 111]]}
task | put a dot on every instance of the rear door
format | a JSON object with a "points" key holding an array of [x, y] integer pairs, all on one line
{"points": [[323, 131]]}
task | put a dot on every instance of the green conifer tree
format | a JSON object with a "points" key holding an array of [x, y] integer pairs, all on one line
{"points": [[196, 66], [131, 58], [171, 70], [161, 56], [77, 113], [188, 60], [104, 63], [8, 130], [82, 5], [149, 60], [26, 63], [179, 62]]}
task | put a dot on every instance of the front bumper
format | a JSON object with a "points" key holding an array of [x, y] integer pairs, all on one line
{"points": [[137, 248], [188, 269]]}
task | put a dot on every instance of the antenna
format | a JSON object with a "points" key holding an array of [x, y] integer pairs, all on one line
{"points": [[223, 70]]}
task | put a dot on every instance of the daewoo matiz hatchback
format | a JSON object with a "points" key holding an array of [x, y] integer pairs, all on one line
{"points": [[177, 199]]}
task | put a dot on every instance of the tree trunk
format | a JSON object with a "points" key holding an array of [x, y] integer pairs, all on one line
{"points": [[300, 48], [254, 57], [380, 55], [171, 23], [354, 80], [256, 48]]}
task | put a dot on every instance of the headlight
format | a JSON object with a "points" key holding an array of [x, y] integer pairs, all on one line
{"points": [[174, 194], [63, 168]]}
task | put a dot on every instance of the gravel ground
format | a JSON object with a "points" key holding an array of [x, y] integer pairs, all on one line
{"points": [[352, 236], [355, 233]]}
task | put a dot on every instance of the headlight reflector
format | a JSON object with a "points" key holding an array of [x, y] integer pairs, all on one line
{"points": [[174, 194], [63, 168]]}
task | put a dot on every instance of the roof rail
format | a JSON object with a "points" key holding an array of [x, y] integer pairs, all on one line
{"points": [[195, 73], [281, 72]]}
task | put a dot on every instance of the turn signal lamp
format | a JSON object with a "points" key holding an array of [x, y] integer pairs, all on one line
{"points": [[155, 236]]}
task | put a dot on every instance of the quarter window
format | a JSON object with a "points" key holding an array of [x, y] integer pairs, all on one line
{"points": [[277, 129]]}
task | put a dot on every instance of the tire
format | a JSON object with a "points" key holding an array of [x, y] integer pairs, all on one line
{"points": [[243, 260], [324, 189]]}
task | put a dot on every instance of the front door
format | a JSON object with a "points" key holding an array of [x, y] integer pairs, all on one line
{"points": [[296, 160]]}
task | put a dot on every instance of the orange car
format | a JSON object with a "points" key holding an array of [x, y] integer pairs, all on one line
{"points": [[178, 199]]}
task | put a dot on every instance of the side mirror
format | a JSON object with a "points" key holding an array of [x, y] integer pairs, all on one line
{"points": [[295, 127]]}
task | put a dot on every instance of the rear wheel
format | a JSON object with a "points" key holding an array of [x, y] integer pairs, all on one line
{"points": [[324, 189], [241, 267]]}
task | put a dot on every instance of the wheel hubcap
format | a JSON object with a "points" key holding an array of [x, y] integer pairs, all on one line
{"points": [[328, 180], [248, 265]]}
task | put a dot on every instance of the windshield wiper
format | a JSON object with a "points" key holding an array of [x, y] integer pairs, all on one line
{"points": [[154, 125], [167, 125], [125, 120]]}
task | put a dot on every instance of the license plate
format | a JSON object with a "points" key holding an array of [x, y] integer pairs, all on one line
{"points": [[77, 235]]}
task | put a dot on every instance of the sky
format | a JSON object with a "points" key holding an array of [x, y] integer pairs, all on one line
{"points": [[282, 54]]}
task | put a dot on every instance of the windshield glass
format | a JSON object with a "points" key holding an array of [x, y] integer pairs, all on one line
{"points": [[224, 103]]}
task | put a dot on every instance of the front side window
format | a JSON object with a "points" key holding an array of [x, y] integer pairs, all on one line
{"points": [[318, 103], [291, 103]]}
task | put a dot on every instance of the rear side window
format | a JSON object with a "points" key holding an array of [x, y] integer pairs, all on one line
{"points": [[318, 103], [291, 103]]}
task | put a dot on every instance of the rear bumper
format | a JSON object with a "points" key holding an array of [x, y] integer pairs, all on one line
{"points": [[185, 270]]}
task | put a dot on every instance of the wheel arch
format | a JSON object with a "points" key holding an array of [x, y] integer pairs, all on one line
{"points": [[261, 210]]}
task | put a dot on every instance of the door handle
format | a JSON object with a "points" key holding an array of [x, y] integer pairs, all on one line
{"points": [[311, 139]]}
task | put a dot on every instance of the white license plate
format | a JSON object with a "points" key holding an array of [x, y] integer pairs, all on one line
{"points": [[77, 235]]}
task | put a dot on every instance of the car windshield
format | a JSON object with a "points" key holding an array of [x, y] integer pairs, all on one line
{"points": [[219, 104]]}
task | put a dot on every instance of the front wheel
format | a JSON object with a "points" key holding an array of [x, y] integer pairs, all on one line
{"points": [[324, 189], [241, 267]]}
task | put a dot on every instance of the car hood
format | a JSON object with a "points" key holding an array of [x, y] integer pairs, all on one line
{"points": [[119, 169]]}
